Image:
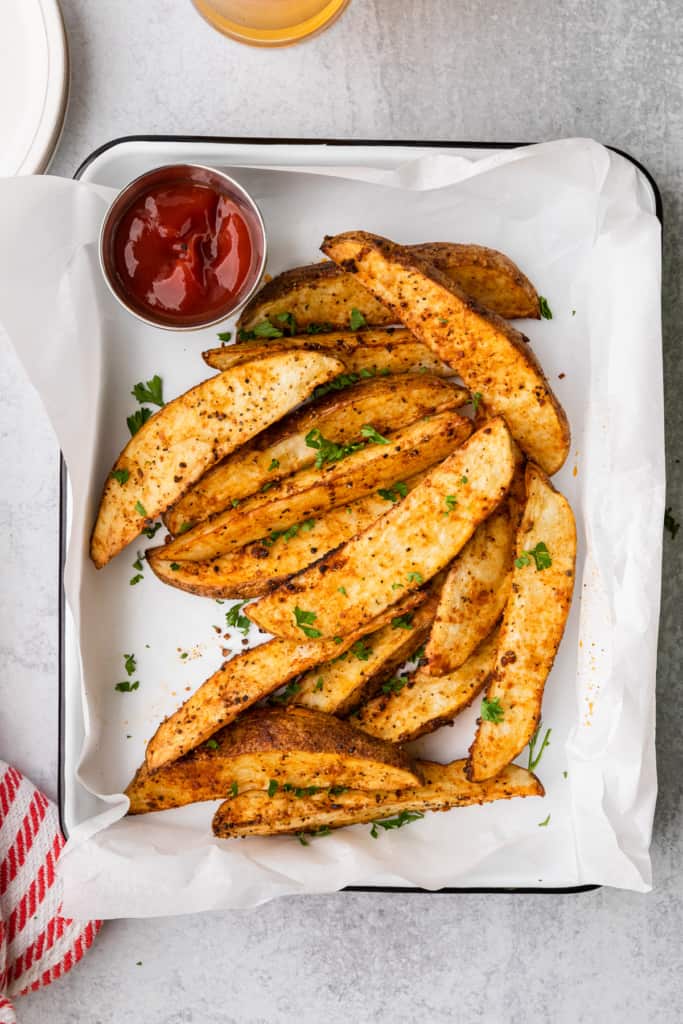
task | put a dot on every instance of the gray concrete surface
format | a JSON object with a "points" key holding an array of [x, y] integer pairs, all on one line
{"points": [[513, 70]]}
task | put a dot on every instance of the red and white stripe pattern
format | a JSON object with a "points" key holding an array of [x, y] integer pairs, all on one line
{"points": [[37, 944]]}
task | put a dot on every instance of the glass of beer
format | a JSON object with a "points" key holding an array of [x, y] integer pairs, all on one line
{"points": [[270, 22]]}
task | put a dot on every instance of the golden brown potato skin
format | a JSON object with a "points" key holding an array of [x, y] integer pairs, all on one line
{"points": [[493, 359], [445, 786], [323, 294], [388, 403], [392, 350], [295, 745], [532, 627], [409, 545], [192, 432]]}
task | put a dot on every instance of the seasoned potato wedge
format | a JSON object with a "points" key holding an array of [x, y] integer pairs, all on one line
{"points": [[261, 566], [239, 683], [492, 358], [426, 702], [322, 294], [532, 627], [339, 686], [408, 545], [387, 403], [173, 448], [274, 745], [393, 350], [310, 492], [445, 786], [474, 594]]}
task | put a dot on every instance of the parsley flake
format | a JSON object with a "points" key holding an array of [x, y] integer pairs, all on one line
{"points": [[369, 432], [329, 451], [274, 464], [534, 758], [540, 555], [140, 509], [476, 399], [273, 787], [304, 620], [289, 321], [126, 686], [342, 590], [415, 577], [357, 320], [451, 502], [234, 788], [137, 419], [234, 618], [394, 685], [401, 819], [289, 691], [319, 684], [224, 336], [402, 621], [122, 475], [361, 650], [151, 391], [212, 744], [129, 664], [150, 530], [136, 579], [175, 566], [184, 527], [395, 492], [543, 824], [491, 711], [545, 310]]}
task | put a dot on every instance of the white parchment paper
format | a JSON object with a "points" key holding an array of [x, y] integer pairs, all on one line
{"points": [[579, 221]]}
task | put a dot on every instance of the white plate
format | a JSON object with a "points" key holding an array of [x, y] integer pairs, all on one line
{"points": [[34, 77]]}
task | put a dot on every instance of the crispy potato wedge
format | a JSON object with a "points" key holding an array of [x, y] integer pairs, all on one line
{"points": [[323, 294], [409, 544], [445, 786], [387, 403], [173, 448], [240, 682], [492, 358], [340, 685], [293, 745], [259, 567], [427, 702], [532, 627], [393, 350], [474, 594], [310, 492]]}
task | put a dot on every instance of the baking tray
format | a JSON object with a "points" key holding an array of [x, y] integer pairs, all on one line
{"points": [[114, 164]]}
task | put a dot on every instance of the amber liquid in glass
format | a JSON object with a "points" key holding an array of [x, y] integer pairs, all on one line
{"points": [[270, 22]]}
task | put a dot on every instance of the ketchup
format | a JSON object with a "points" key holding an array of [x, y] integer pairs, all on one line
{"points": [[183, 251]]}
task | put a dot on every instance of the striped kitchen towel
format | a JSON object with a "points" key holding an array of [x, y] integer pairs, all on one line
{"points": [[37, 944]]}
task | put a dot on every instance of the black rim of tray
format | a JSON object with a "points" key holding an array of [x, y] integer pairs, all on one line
{"points": [[237, 140]]}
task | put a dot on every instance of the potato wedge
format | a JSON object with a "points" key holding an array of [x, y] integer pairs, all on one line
{"points": [[427, 702], [310, 492], [445, 786], [474, 594], [387, 403], [492, 358], [322, 294], [259, 567], [274, 745], [173, 448], [532, 627], [340, 685], [240, 682], [408, 545], [393, 350]]}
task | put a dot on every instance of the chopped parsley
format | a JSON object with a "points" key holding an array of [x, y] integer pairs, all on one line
{"points": [[401, 819], [419, 653], [545, 310], [329, 451], [137, 419], [361, 650], [321, 328], [289, 691], [263, 330], [274, 464], [267, 486], [184, 527], [121, 475], [151, 391], [224, 336], [476, 399], [415, 577], [129, 664], [402, 621], [357, 320], [671, 524], [136, 579], [273, 787], [304, 620], [337, 790], [543, 824], [491, 711], [175, 566], [395, 492], [319, 684], [463, 479], [534, 758], [300, 791], [234, 617], [451, 502], [234, 788], [137, 564], [140, 509], [369, 432], [344, 380], [126, 686], [397, 586], [342, 590], [289, 533], [303, 837], [289, 321], [212, 744], [235, 502], [540, 555], [394, 685], [150, 530]]}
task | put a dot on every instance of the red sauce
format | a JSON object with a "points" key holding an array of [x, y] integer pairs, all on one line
{"points": [[184, 251]]}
